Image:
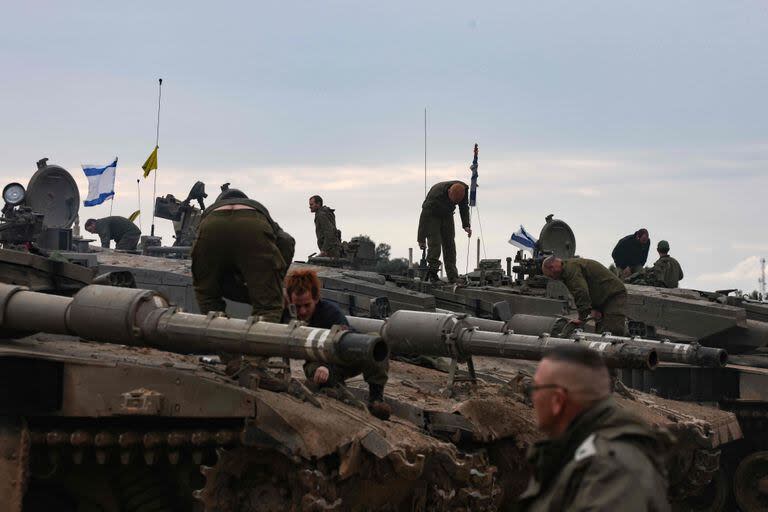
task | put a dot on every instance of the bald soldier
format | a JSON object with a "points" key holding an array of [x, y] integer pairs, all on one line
{"points": [[242, 254], [595, 456], [597, 291], [436, 229]]}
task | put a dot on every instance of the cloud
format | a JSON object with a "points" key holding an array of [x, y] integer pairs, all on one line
{"points": [[747, 269], [750, 247], [588, 191]]}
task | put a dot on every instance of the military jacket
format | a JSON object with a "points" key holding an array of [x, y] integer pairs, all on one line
{"points": [[590, 283], [115, 228], [285, 242], [607, 460], [328, 237], [629, 252], [438, 204], [667, 272]]}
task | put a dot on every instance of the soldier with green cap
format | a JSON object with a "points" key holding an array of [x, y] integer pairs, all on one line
{"points": [[666, 270]]}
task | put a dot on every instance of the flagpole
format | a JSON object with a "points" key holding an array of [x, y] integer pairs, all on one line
{"points": [[111, 204], [138, 188], [157, 144], [425, 151]]}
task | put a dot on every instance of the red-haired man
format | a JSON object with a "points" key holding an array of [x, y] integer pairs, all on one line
{"points": [[302, 288]]}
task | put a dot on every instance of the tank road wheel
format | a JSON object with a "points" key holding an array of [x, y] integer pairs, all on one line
{"points": [[750, 483], [715, 497]]}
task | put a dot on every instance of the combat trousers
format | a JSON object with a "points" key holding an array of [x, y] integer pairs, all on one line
{"points": [[127, 243], [614, 319], [238, 246], [440, 234]]}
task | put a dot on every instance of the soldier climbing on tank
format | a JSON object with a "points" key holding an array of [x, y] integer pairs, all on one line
{"points": [[328, 236], [240, 253], [436, 229], [631, 252], [598, 293], [302, 288], [595, 455], [125, 233]]}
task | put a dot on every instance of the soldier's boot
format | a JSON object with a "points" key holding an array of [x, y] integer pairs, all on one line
{"points": [[376, 404], [432, 276]]}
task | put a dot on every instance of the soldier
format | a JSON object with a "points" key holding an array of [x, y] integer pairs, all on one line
{"points": [[666, 270], [328, 237], [595, 455], [597, 291], [302, 287], [125, 233], [242, 254], [631, 252], [436, 227]]}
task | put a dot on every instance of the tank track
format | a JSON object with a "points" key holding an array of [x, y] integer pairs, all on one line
{"points": [[256, 480]]}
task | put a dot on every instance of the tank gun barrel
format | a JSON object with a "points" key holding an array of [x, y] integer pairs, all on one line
{"points": [[450, 335], [144, 318], [668, 352]]}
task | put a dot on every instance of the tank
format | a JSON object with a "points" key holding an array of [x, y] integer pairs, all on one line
{"points": [[485, 420], [104, 408]]}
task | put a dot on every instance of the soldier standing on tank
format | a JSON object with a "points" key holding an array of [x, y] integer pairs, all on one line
{"points": [[125, 233], [302, 287], [666, 271], [436, 229], [242, 254], [328, 236], [631, 252], [598, 293], [595, 456]]}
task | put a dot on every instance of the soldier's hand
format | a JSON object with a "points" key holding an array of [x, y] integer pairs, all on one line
{"points": [[469, 231], [321, 375], [597, 315], [422, 245]]}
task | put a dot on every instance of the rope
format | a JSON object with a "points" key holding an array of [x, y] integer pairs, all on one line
{"points": [[469, 244], [482, 236]]}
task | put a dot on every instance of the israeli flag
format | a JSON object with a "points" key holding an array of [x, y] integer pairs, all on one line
{"points": [[522, 239], [101, 183]]}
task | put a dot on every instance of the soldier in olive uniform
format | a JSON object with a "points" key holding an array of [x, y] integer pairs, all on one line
{"points": [[328, 236], [666, 270], [436, 229], [242, 254], [125, 233], [597, 291], [596, 456]]}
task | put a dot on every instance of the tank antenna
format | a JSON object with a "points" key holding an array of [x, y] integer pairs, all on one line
{"points": [[157, 144]]}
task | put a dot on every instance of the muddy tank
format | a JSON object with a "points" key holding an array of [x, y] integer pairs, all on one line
{"points": [[526, 303], [455, 409], [105, 408]]}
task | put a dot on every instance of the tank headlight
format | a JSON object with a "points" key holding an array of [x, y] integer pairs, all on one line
{"points": [[13, 194]]}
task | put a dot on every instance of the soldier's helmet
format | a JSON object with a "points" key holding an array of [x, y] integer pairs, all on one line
{"points": [[663, 246], [232, 193]]}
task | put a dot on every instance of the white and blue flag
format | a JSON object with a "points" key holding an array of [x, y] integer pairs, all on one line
{"points": [[522, 239], [101, 182]]}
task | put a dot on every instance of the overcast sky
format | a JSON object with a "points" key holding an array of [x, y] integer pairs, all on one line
{"points": [[612, 115]]}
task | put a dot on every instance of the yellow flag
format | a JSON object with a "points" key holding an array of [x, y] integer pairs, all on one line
{"points": [[134, 215], [151, 162]]}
